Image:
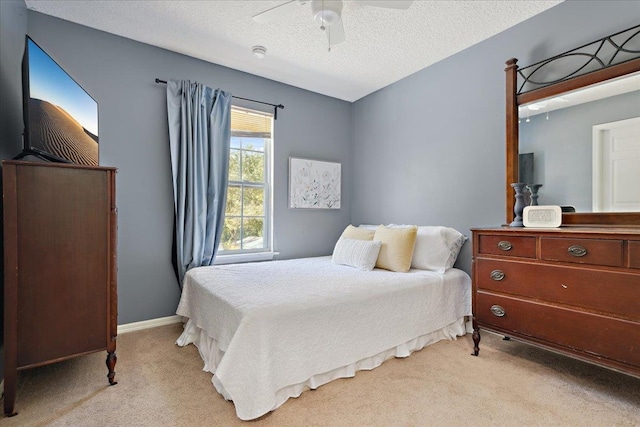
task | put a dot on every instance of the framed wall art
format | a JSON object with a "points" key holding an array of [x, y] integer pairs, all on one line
{"points": [[314, 184]]}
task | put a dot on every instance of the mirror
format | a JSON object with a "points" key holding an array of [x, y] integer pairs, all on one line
{"points": [[567, 135], [606, 60]]}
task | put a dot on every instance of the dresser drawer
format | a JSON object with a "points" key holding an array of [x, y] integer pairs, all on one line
{"points": [[594, 334], [516, 246], [599, 291], [584, 251], [634, 254]]}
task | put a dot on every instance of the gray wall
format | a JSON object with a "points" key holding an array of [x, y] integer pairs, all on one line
{"points": [[119, 74], [562, 147], [13, 27], [430, 149]]}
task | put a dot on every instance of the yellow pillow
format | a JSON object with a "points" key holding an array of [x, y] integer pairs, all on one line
{"points": [[397, 247], [356, 233]]}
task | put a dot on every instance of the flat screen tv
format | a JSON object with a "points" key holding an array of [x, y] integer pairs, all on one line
{"points": [[60, 117]]}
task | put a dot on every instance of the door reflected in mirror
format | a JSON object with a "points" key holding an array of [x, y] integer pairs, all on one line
{"points": [[586, 146]]}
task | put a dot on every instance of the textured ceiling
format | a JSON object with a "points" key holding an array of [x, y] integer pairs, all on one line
{"points": [[382, 45]]}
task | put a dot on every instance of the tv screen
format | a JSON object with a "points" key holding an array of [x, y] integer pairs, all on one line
{"points": [[60, 118]]}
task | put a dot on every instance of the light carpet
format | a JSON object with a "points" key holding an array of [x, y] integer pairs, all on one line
{"points": [[161, 384]]}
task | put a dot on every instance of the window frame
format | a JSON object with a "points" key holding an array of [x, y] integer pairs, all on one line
{"points": [[266, 252]]}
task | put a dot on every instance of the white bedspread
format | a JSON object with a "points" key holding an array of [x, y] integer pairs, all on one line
{"points": [[276, 324]]}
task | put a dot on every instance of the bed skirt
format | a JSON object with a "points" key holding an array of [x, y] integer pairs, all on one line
{"points": [[211, 355]]}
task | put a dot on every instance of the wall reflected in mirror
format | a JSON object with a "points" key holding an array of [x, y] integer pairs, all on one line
{"points": [[561, 134]]}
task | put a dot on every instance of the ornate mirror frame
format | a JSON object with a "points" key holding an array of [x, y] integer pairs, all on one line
{"points": [[606, 59]]}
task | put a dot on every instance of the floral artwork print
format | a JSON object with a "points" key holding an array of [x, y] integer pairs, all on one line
{"points": [[314, 184]]}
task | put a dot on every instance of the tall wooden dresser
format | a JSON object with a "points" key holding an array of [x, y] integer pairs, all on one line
{"points": [[574, 290], [60, 266]]}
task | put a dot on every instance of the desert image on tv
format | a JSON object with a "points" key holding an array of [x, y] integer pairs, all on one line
{"points": [[57, 132]]}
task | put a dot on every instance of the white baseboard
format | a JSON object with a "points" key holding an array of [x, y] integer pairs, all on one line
{"points": [[130, 327], [146, 324]]}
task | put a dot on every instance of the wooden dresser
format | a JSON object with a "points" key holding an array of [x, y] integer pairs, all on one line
{"points": [[60, 297], [574, 290]]}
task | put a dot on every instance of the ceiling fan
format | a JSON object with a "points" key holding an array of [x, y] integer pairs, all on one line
{"points": [[327, 12]]}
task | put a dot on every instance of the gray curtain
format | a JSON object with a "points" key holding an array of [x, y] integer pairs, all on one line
{"points": [[199, 137]]}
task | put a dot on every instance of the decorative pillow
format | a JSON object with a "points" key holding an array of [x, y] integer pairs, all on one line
{"points": [[397, 247], [437, 248], [357, 233], [361, 254]]}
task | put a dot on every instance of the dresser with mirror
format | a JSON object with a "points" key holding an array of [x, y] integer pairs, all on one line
{"points": [[574, 289]]}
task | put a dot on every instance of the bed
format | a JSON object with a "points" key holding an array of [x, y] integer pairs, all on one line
{"points": [[268, 331]]}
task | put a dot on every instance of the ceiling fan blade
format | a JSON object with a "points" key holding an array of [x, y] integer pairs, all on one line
{"points": [[335, 33], [389, 4], [276, 12]]}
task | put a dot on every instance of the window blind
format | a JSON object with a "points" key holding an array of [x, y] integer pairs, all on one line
{"points": [[246, 122]]}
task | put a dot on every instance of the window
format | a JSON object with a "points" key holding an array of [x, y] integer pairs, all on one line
{"points": [[247, 222]]}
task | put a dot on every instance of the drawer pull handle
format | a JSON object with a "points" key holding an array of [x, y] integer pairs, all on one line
{"points": [[504, 245], [498, 311], [577, 250], [497, 275]]}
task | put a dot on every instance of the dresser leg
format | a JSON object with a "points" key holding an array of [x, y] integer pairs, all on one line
{"points": [[476, 338], [111, 364], [10, 392]]}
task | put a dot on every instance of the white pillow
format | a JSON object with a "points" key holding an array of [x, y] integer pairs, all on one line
{"points": [[436, 248], [369, 226], [361, 254]]}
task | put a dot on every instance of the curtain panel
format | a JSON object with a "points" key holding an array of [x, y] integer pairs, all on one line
{"points": [[199, 138]]}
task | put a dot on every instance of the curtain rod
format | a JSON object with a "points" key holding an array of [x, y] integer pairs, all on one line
{"points": [[275, 106]]}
